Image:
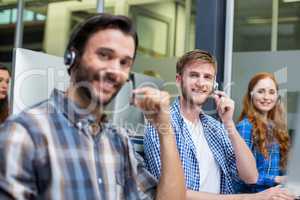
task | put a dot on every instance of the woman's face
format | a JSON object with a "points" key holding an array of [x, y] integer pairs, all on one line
{"points": [[264, 95], [4, 81]]}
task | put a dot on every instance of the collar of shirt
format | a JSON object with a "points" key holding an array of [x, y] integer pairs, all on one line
{"points": [[81, 118]]}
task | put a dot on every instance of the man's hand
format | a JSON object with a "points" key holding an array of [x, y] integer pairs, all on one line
{"points": [[155, 105], [225, 106]]}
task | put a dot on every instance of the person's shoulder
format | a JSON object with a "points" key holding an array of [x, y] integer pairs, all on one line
{"points": [[26, 122], [244, 123], [39, 109], [211, 121]]}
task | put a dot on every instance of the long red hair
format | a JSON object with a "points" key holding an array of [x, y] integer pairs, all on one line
{"points": [[260, 126], [4, 109]]}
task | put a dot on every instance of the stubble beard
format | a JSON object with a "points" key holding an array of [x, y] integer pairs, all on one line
{"points": [[83, 79]]}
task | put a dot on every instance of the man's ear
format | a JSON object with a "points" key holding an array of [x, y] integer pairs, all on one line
{"points": [[178, 78]]}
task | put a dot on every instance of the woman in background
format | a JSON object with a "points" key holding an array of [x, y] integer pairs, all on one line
{"points": [[262, 124], [4, 81]]}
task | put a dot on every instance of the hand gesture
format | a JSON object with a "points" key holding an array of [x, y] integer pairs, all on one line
{"points": [[155, 105], [225, 106]]}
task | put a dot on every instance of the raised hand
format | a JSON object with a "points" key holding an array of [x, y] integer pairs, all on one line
{"points": [[155, 105], [225, 106]]}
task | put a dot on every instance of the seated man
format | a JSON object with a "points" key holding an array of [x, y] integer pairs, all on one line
{"points": [[60, 149], [213, 154]]}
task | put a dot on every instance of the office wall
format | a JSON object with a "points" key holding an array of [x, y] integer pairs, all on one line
{"points": [[166, 68]]}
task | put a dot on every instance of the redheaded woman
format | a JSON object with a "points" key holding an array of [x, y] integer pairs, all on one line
{"points": [[262, 124]]}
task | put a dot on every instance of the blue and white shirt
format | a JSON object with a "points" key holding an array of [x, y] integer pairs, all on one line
{"points": [[50, 152], [218, 142], [268, 168]]}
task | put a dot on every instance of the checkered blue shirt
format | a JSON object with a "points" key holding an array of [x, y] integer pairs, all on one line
{"points": [[267, 168], [217, 140]]}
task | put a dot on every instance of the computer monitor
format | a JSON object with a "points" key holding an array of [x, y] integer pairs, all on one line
{"points": [[35, 75], [293, 171]]}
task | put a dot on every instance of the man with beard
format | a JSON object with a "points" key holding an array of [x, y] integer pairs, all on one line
{"points": [[60, 149], [213, 154]]}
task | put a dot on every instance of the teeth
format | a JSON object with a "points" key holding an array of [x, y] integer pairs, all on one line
{"points": [[200, 91]]}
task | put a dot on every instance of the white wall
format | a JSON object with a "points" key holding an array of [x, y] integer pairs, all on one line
{"points": [[284, 64]]}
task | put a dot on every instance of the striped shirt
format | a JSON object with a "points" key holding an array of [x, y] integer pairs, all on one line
{"points": [[49, 152]]}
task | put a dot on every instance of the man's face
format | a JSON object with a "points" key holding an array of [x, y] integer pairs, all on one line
{"points": [[196, 82], [105, 65]]}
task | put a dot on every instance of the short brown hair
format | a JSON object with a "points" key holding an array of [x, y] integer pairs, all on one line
{"points": [[195, 55]]}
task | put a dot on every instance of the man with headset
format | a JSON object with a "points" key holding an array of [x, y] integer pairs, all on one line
{"points": [[213, 154], [61, 148]]}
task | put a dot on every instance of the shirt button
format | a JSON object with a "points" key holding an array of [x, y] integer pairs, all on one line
{"points": [[99, 180], [79, 124]]}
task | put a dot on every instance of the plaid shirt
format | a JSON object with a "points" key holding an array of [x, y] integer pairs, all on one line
{"points": [[48, 152], [217, 140], [267, 168]]}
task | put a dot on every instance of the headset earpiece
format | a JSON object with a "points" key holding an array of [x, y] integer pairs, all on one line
{"points": [[278, 98], [70, 57], [215, 86]]}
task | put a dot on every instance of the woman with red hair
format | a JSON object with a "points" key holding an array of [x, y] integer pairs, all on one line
{"points": [[4, 82], [262, 124]]}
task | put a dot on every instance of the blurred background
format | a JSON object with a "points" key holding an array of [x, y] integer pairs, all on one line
{"points": [[265, 36]]}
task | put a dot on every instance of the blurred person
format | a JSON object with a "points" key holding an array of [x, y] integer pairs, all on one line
{"points": [[263, 126], [4, 84], [213, 154], [60, 149]]}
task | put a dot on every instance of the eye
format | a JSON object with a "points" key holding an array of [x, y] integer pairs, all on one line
{"points": [[194, 75], [208, 77], [126, 63], [260, 91], [273, 92], [104, 55]]}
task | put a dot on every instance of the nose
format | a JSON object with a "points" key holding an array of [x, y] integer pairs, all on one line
{"points": [[117, 71], [268, 96], [4, 86], [201, 81]]}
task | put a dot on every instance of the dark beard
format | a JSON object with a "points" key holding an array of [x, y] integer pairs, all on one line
{"points": [[83, 82]]}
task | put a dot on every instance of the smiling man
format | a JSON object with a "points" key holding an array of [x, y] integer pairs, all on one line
{"points": [[61, 149], [212, 153]]}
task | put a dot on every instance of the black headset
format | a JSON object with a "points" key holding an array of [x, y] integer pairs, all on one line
{"points": [[71, 53], [69, 57]]}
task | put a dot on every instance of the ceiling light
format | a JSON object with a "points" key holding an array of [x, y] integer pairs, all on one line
{"points": [[290, 1]]}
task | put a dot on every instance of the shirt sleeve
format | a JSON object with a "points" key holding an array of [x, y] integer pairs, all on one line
{"points": [[230, 156], [152, 150], [16, 163], [139, 179], [245, 130], [265, 179]]}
